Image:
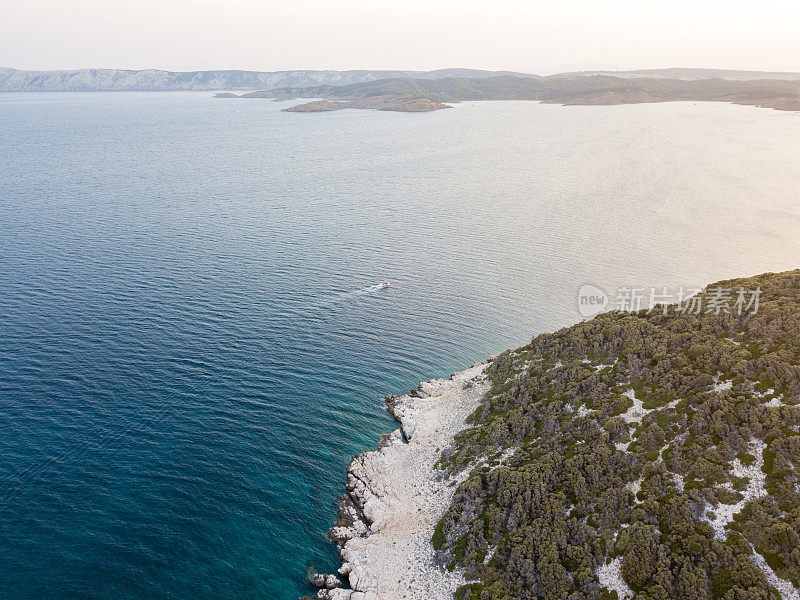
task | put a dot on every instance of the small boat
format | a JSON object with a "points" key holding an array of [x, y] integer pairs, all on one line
{"points": [[383, 284]]}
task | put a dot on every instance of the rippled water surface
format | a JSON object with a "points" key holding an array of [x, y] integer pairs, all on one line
{"points": [[192, 345]]}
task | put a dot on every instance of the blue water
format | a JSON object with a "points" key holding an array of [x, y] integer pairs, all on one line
{"points": [[191, 343]]}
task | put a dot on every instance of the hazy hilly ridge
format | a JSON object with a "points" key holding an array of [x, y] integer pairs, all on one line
{"points": [[782, 94], [13, 80], [694, 74], [650, 455]]}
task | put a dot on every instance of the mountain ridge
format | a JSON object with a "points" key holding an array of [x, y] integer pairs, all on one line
{"points": [[99, 79], [15, 80]]}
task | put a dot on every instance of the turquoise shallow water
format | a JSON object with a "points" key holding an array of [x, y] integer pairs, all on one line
{"points": [[191, 346]]}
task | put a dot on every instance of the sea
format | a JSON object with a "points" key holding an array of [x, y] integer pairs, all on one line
{"points": [[193, 338]]}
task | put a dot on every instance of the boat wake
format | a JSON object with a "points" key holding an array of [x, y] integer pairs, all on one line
{"points": [[344, 297]]}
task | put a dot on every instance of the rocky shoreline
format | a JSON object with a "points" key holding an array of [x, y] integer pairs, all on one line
{"points": [[396, 496]]}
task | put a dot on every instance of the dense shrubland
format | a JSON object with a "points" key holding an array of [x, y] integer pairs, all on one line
{"points": [[569, 472]]}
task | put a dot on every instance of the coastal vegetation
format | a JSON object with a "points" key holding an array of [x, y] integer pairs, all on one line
{"points": [[651, 455]]}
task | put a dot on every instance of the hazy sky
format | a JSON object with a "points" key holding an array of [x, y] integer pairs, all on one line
{"points": [[270, 35]]}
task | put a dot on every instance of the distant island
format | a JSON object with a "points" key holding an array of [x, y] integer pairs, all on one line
{"points": [[638, 455], [781, 92], [396, 103]]}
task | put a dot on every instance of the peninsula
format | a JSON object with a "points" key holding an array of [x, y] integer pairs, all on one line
{"points": [[780, 92], [648, 455]]}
